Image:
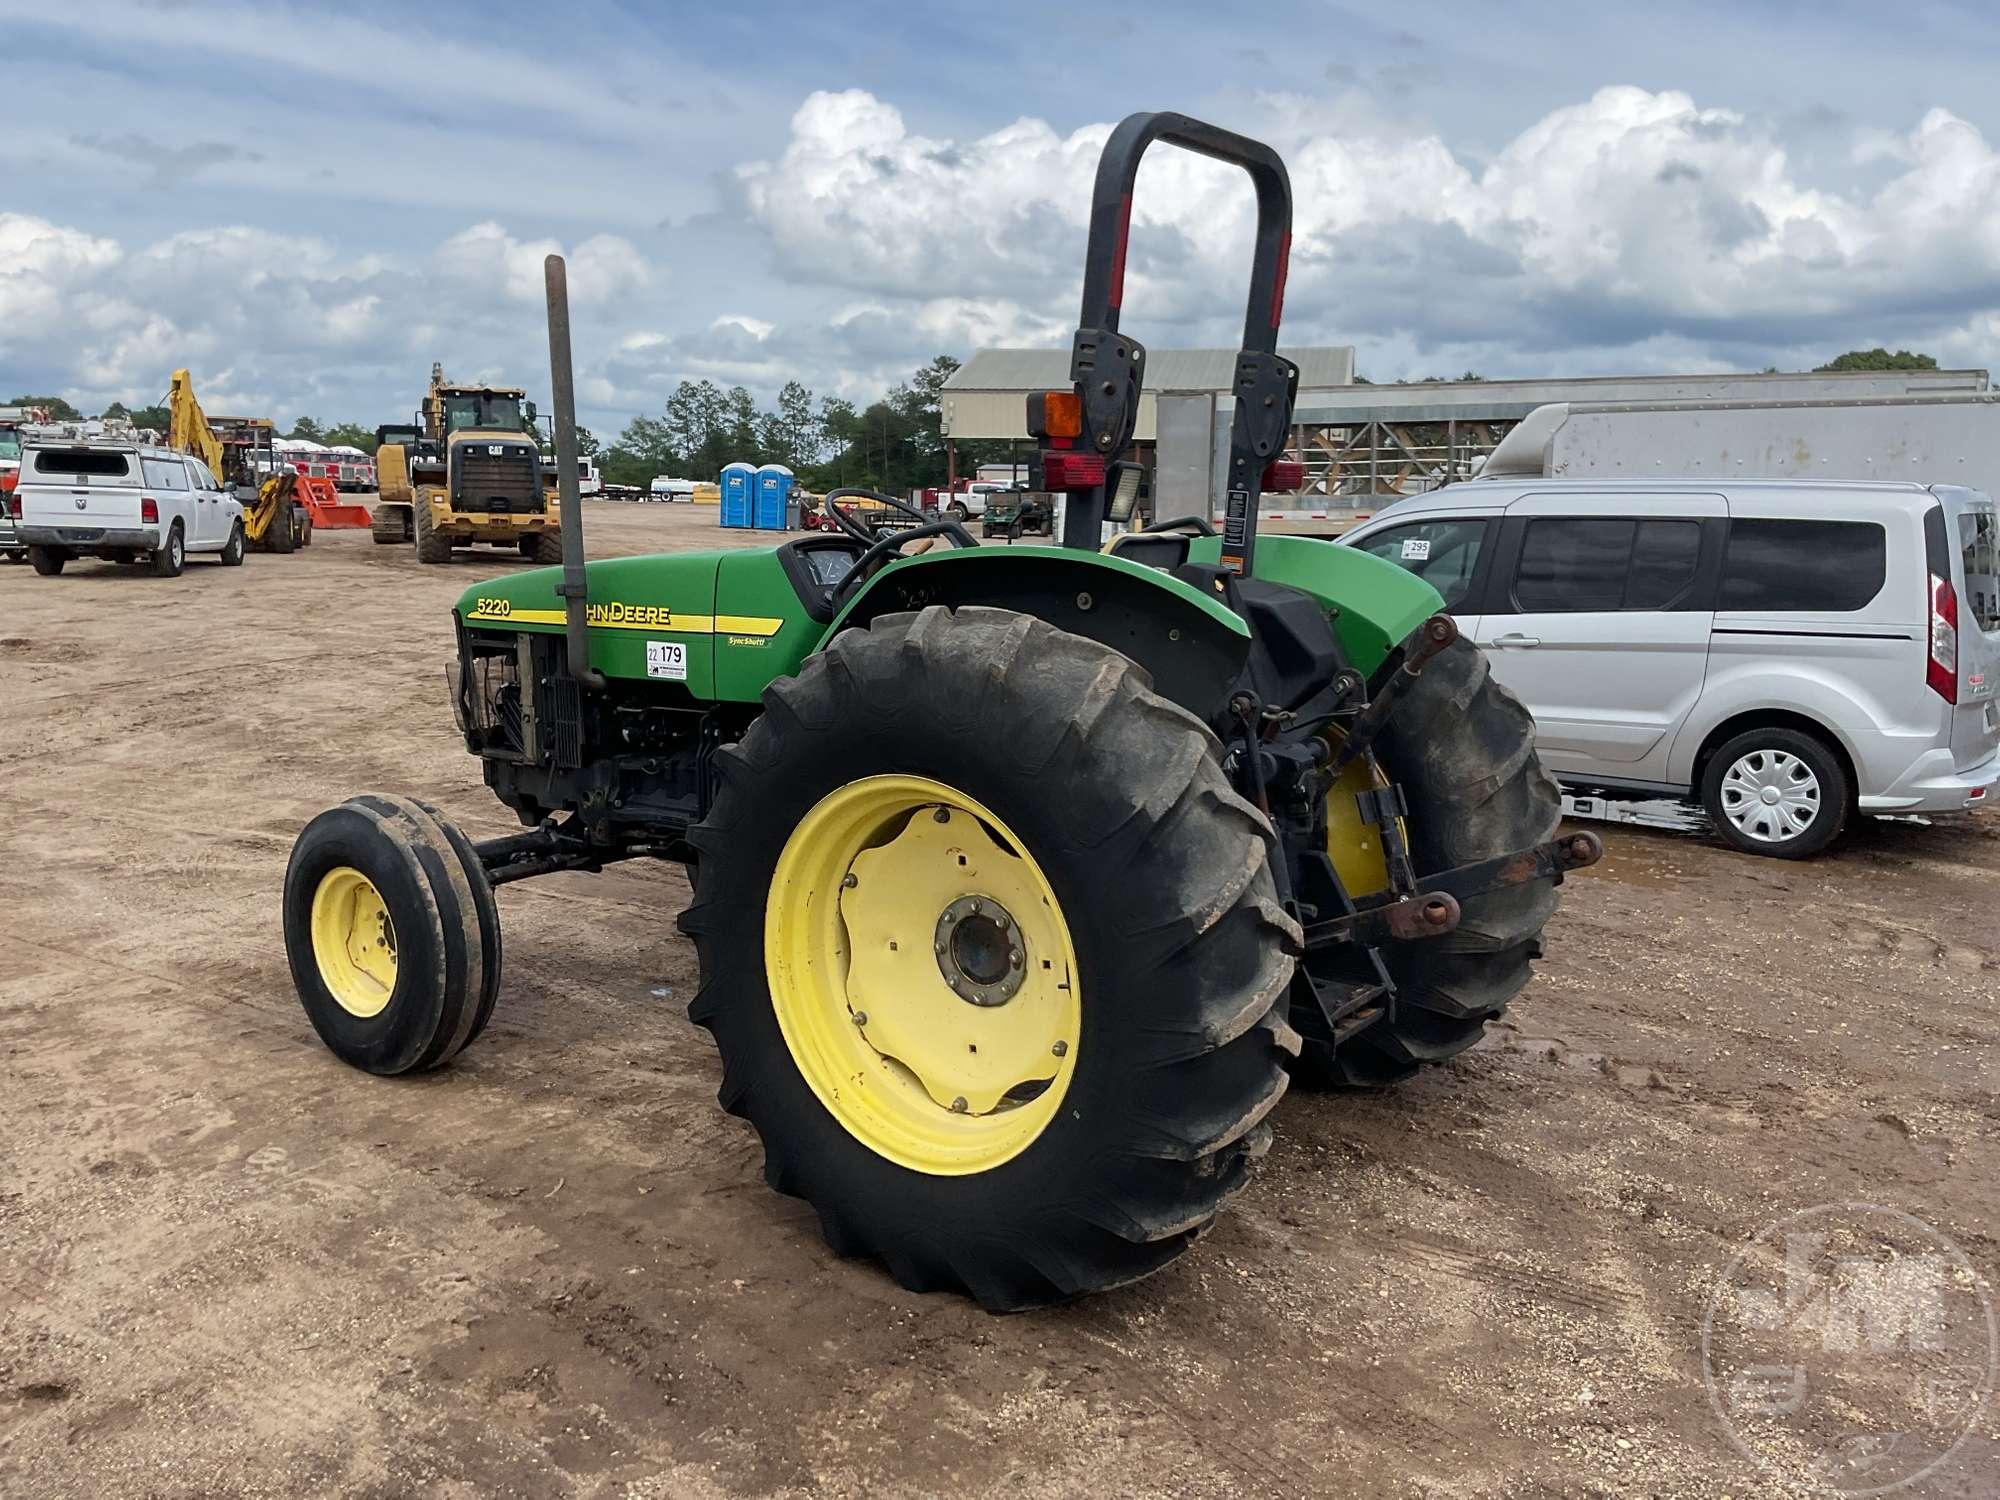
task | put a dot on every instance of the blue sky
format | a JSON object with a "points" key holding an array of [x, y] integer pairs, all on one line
{"points": [[307, 204]]}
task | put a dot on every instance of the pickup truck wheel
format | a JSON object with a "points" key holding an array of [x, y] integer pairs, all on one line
{"points": [[232, 551], [170, 559], [957, 510], [48, 561], [386, 936]]}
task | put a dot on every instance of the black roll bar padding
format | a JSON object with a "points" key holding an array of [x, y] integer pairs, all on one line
{"points": [[1111, 218], [1107, 368]]}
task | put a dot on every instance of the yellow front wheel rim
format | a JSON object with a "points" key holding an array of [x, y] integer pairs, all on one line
{"points": [[354, 942], [922, 974]]}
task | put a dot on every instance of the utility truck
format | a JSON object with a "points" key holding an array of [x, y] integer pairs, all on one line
{"points": [[1024, 877]]}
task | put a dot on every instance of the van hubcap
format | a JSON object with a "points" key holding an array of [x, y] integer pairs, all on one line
{"points": [[1771, 796]]}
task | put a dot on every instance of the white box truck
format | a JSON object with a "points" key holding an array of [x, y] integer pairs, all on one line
{"points": [[1949, 438]]}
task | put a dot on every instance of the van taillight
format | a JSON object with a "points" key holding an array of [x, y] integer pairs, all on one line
{"points": [[1941, 671], [149, 510]]}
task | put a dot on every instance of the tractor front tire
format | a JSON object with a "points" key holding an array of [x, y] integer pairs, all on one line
{"points": [[1463, 750], [391, 933], [920, 777], [389, 524], [433, 546]]}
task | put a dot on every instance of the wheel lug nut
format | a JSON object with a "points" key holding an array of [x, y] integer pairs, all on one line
{"points": [[1014, 958], [972, 906], [942, 815], [1060, 1049], [848, 882], [958, 1105], [861, 1018]]}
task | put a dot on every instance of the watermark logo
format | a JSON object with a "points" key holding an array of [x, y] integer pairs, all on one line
{"points": [[1851, 1342]]}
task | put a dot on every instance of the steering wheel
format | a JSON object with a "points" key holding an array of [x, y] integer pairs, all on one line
{"points": [[881, 547], [854, 528]]}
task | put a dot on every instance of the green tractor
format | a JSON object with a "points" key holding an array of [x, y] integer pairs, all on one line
{"points": [[1025, 878]]}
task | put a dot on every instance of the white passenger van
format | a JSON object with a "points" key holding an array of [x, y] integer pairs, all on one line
{"points": [[1788, 652]]}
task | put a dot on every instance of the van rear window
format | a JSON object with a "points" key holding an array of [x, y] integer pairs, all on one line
{"points": [[1979, 549], [94, 462], [1803, 565]]}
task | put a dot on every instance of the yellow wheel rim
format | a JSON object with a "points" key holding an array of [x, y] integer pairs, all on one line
{"points": [[1355, 847], [890, 892], [354, 942]]}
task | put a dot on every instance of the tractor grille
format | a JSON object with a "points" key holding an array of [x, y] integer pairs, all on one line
{"points": [[508, 483], [489, 696]]}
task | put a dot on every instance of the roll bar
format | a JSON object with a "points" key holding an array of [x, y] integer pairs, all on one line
{"points": [[1108, 369]]}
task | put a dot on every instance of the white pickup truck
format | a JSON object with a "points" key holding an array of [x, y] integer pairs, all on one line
{"points": [[123, 501]]}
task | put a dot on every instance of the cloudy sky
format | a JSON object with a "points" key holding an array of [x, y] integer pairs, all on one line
{"points": [[307, 204]]}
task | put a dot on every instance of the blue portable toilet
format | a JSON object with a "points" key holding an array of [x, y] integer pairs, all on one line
{"points": [[774, 490], [739, 493]]}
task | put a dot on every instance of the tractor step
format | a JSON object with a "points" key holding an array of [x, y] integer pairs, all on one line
{"points": [[1349, 1007]]}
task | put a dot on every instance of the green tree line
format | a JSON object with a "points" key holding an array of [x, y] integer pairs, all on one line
{"points": [[891, 444]]}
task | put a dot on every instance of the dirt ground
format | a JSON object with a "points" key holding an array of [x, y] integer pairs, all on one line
{"points": [[231, 1266]]}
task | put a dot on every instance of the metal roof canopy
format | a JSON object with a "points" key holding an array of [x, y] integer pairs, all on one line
{"points": [[987, 396], [1511, 400]]}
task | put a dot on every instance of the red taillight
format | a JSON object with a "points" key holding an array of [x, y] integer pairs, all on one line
{"points": [[149, 510], [1072, 471], [1941, 671], [1283, 477]]}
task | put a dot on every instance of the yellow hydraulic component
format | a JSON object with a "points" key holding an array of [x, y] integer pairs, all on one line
{"points": [[187, 426], [1355, 847], [922, 973], [354, 942]]}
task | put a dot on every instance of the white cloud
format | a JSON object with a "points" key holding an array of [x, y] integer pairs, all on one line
{"points": [[1629, 216], [282, 323]]}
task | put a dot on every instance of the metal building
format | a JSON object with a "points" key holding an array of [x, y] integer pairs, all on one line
{"points": [[1369, 443], [988, 396]]}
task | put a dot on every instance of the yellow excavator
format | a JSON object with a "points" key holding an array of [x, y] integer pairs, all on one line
{"points": [[467, 471], [239, 451]]}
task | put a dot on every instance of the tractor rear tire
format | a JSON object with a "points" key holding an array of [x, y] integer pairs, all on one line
{"points": [[305, 521], [432, 545], [279, 535], [542, 547], [1056, 756], [1463, 750], [386, 936]]}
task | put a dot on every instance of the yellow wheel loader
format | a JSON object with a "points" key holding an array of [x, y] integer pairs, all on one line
{"points": [[467, 472]]}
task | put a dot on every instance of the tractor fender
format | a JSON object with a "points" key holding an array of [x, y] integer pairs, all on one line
{"points": [[1192, 646]]}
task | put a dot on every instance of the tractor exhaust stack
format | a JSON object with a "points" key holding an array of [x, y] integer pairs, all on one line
{"points": [[574, 588]]}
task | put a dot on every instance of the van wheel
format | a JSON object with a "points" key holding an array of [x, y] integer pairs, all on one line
{"points": [[48, 561], [1776, 792], [170, 559]]}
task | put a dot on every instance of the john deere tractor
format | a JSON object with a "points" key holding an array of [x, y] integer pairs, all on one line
{"points": [[467, 471], [1025, 878]]}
